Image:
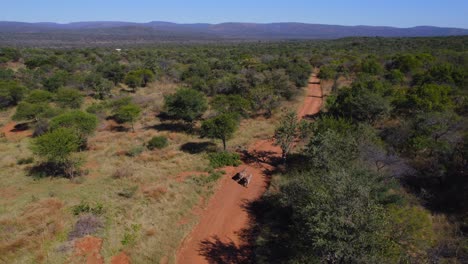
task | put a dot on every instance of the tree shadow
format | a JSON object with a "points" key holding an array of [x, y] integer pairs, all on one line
{"points": [[50, 169], [313, 117], [216, 251], [174, 127], [119, 129], [267, 157], [20, 127], [198, 147]]}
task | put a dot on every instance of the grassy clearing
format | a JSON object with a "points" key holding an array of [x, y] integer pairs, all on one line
{"points": [[146, 211]]}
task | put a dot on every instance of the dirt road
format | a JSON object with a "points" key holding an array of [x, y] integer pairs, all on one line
{"points": [[218, 236]]}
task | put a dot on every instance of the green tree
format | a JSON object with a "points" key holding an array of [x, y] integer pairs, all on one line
{"points": [[10, 93], [330, 150], [113, 72], [39, 96], [57, 80], [82, 123], [139, 78], [264, 99], [68, 97], [28, 111], [220, 127], [186, 104], [429, 97], [337, 218], [234, 103], [287, 131], [57, 145], [133, 80], [56, 148], [100, 86], [361, 104], [127, 113]]}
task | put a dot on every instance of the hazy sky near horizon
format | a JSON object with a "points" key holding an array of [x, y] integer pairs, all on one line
{"points": [[399, 13]]}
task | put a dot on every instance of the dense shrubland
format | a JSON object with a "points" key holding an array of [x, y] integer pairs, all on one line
{"points": [[385, 158]]}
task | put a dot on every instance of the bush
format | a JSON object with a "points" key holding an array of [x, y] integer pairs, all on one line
{"points": [[125, 171], [222, 159], [67, 97], [158, 142], [23, 161], [127, 113], [86, 208], [39, 96], [128, 192], [135, 151], [186, 104], [57, 145]]}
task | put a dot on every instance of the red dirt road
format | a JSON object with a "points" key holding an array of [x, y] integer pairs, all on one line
{"points": [[225, 216]]}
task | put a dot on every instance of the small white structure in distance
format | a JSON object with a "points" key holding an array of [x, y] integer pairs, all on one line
{"points": [[118, 50]]}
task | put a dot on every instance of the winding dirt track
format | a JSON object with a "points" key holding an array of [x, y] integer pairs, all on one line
{"points": [[225, 216]]}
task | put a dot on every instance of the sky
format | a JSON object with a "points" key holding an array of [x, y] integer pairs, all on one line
{"points": [[399, 13]]}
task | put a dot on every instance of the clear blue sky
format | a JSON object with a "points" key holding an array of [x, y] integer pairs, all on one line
{"points": [[401, 13]]}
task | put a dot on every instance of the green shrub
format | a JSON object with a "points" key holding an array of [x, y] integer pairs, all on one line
{"points": [[131, 234], [135, 151], [221, 159], [158, 142], [86, 208], [23, 161], [128, 192], [68, 97]]}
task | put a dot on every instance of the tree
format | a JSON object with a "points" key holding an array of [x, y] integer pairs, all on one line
{"points": [[68, 97], [100, 86], [112, 71], [28, 111], [287, 132], [220, 127], [39, 96], [132, 80], [83, 124], [429, 97], [264, 99], [234, 103], [128, 113], [361, 104], [56, 148], [57, 145], [57, 80], [186, 104], [10, 93], [139, 78], [330, 150], [337, 217]]}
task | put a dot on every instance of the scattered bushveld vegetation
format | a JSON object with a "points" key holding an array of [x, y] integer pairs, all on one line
{"points": [[378, 177]]}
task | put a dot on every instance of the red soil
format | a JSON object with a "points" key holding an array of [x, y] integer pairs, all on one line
{"points": [[87, 250], [13, 134], [121, 258], [225, 216]]}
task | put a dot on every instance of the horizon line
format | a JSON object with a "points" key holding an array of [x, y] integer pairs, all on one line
{"points": [[226, 22]]}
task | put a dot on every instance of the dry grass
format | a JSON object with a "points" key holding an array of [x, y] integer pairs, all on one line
{"points": [[38, 223], [36, 217]]}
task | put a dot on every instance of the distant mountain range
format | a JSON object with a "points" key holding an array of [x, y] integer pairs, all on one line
{"points": [[166, 31]]}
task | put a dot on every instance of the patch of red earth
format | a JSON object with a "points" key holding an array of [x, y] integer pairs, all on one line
{"points": [[12, 133], [225, 215], [121, 258], [88, 250]]}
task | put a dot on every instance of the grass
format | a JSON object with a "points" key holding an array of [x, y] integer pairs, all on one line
{"points": [[142, 207]]}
